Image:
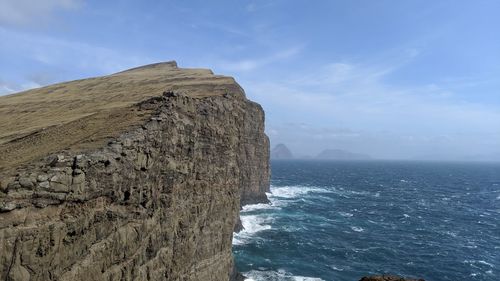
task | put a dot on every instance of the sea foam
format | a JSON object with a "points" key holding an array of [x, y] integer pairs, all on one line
{"points": [[280, 275], [254, 217], [251, 225], [295, 191], [255, 207]]}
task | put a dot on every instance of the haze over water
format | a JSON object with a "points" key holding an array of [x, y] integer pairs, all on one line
{"points": [[344, 220]]}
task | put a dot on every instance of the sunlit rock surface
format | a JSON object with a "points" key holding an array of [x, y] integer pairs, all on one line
{"points": [[134, 176]]}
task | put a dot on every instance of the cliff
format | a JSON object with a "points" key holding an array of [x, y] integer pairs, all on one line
{"points": [[137, 175]]}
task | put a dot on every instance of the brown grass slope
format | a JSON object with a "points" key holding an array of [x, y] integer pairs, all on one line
{"points": [[83, 114]]}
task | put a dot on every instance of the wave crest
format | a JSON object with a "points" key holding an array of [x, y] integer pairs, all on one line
{"points": [[295, 191], [280, 275]]}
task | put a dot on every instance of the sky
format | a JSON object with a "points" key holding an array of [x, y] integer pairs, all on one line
{"points": [[393, 79]]}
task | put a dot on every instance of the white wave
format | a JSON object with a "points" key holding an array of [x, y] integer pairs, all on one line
{"points": [[254, 207], [251, 225], [472, 262], [423, 203], [254, 223], [293, 228], [357, 229], [347, 193], [336, 268], [486, 263], [297, 191], [498, 197], [471, 245], [289, 192], [359, 192], [345, 214], [406, 215], [302, 278], [280, 275], [451, 233]]}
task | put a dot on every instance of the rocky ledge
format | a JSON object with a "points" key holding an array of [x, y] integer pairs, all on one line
{"points": [[137, 175]]}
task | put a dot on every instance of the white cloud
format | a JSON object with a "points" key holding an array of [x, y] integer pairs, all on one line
{"points": [[359, 92], [58, 52], [253, 64], [6, 89], [60, 60], [255, 6], [251, 7], [386, 119], [26, 12], [225, 28]]}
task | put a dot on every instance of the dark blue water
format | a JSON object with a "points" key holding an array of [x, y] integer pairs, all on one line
{"points": [[344, 220]]}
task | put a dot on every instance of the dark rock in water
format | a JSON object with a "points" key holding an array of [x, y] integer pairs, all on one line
{"points": [[236, 276], [280, 151], [238, 226], [387, 278]]}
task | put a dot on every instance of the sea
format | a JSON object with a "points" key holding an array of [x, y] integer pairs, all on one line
{"points": [[330, 220]]}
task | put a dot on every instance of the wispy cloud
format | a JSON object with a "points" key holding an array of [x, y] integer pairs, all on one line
{"points": [[6, 88], [55, 51], [255, 63], [27, 12], [52, 55], [226, 28], [403, 121], [255, 6]]}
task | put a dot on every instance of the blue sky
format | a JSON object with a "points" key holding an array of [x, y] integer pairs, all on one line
{"points": [[394, 79]]}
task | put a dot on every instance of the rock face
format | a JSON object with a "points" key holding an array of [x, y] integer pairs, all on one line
{"points": [[280, 151], [143, 184]]}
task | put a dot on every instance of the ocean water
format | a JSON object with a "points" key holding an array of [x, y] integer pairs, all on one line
{"points": [[344, 220]]}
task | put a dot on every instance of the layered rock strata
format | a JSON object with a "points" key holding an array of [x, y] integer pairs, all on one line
{"points": [[133, 176]]}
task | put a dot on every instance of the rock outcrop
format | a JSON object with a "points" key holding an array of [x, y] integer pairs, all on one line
{"points": [[280, 151], [133, 176]]}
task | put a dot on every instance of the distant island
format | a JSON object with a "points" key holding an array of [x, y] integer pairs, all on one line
{"points": [[339, 154], [280, 151]]}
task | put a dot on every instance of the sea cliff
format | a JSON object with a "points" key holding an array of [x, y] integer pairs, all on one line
{"points": [[138, 175]]}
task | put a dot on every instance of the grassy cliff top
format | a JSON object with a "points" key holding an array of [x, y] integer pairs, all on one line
{"points": [[84, 113]]}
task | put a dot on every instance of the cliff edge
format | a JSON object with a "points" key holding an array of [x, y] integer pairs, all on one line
{"points": [[137, 175]]}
